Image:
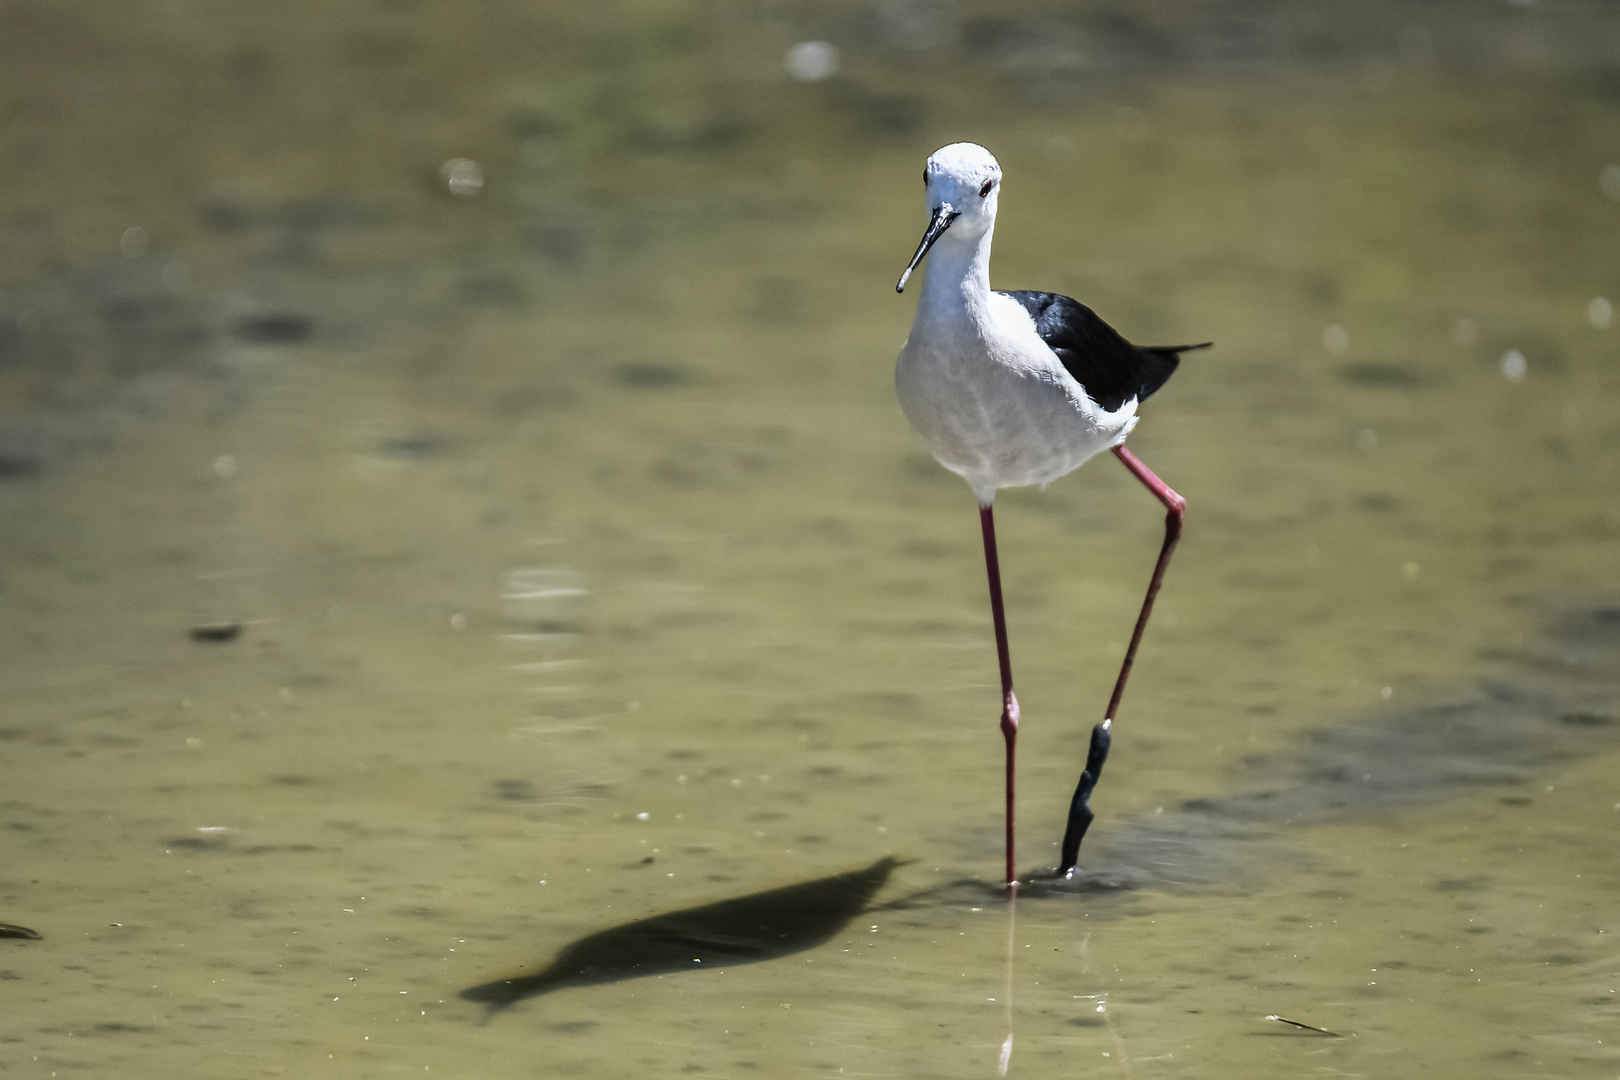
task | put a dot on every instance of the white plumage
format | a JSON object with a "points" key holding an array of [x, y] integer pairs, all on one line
{"points": [[975, 379]]}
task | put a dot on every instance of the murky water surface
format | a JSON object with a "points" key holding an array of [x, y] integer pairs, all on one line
{"points": [[585, 568]]}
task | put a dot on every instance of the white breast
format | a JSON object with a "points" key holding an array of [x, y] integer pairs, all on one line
{"points": [[994, 402]]}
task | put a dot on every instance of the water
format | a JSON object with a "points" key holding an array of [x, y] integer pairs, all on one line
{"points": [[584, 497]]}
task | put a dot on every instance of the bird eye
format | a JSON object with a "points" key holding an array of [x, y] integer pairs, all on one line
{"points": [[984, 189]]}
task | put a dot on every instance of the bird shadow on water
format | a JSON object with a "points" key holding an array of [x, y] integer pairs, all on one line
{"points": [[1546, 702], [740, 930]]}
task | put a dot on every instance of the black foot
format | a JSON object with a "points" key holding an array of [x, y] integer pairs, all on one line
{"points": [[1080, 815]]}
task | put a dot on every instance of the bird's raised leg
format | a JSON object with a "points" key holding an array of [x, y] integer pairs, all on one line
{"points": [[1009, 703], [1175, 509], [1080, 814]]}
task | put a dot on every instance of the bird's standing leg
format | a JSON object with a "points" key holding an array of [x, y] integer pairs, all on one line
{"points": [[1080, 815], [1009, 703]]}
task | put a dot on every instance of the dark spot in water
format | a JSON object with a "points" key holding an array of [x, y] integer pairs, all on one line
{"points": [[320, 213], [1378, 502], [1586, 719], [1387, 376], [216, 632], [1514, 800], [11, 340], [114, 1026], [274, 329], [650, 376], [1476, 883], [562, 246], [197, 844], [515, 790], [495, 291], [17, 463], [225, 217], [528, 122], [292, 780], [575, 1027], [412, 447], [1087, 1021]]}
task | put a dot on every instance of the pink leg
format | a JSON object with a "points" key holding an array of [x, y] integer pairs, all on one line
{"points": [[1175, 507], [1009, 703]]}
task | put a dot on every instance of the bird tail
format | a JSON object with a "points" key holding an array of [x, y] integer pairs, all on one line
{"points": [[1159, 363]]}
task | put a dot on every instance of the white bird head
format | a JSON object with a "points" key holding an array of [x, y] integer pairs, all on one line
{"points": [[962, 182]]}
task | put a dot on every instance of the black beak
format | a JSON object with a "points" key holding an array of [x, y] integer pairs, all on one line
{"points": [[943, 216]]}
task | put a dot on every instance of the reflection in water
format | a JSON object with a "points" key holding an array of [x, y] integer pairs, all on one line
{"points": [[1102, 1009], [1007, 990], [743, 930]]}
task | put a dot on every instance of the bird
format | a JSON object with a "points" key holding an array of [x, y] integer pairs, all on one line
{"points": [[1017, 388]]}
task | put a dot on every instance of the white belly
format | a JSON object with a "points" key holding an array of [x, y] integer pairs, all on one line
{"points": [[1000, 421]]}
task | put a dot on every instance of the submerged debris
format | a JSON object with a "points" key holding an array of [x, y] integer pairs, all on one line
{"points": [[1306, 1027]]}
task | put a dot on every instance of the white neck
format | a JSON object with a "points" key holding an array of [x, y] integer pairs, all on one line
{"points": [[958, 281]]}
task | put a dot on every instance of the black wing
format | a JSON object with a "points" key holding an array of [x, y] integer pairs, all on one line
{"points": [[1111, 369]]}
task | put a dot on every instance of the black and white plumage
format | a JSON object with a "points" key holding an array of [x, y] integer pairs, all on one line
{"points": [[1111, 369], [1016, 388], [1009, 388]]}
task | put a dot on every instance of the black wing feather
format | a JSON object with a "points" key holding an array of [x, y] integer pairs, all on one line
{"points": [[1111, 369]]}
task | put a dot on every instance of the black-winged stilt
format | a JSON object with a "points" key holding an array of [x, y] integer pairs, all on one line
{"points": [[1016, 388]]}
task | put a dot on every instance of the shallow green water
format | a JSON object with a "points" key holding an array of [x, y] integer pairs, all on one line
{"points": [[586, 498]]}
